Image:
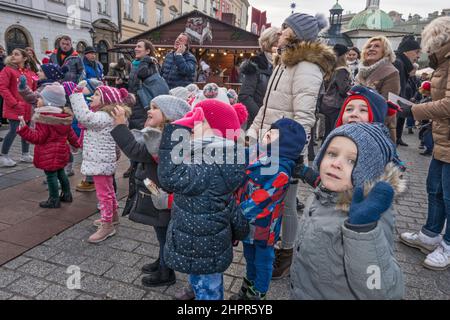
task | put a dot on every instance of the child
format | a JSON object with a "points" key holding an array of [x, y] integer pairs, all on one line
{"points": [[362, 105], [426, 133], [205, 217], [261, 200], [53, 130], [142, 147], [99, 150], [344, 248]]}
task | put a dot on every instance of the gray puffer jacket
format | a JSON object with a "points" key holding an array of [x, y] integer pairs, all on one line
{"points": [[335, 261]]}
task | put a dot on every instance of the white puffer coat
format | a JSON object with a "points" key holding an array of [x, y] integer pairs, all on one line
{"points": [[294, 86], [99, 147]]}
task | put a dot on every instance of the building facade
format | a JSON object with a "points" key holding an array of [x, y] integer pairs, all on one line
{"points": [[40, 23]]}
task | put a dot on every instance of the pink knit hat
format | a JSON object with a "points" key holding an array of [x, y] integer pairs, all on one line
{"points": [[112, 95], [222, 116]]}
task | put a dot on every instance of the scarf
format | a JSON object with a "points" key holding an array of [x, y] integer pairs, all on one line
{"points": [[136, 63], [60, 53], [366, 71]]}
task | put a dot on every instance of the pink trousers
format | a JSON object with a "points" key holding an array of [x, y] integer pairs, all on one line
{"points": [[106, 197]]}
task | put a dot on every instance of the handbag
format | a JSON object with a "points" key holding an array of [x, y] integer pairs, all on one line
{"points": [[152, 87]]}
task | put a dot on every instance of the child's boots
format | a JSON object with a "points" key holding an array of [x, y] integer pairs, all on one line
{"points": [[105, 231], [242, 295]]}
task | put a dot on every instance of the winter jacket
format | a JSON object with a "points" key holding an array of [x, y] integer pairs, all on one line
{"points": [[404, 67], [13, 103], [147, 168], [99, 147], [294, 86], [354, 68], [52, 131], [92, 70], [336, 91], [205, 216], [146, 68], [31, 97], [384, 78], [256, 73], [439, 109], [179, 70], [334, 260], [119, 73], [261, 199], [73, 62]]}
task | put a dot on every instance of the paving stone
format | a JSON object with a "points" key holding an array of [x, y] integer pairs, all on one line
{"points": [[173, 289], [19, 298], [426, 294], [123, 274], [37, 268], [16, 263], [42, 252], [95, 266], [87, 297], [68, 259], [28, 286], [121, 291], [125, 258], [5, 295], [96, 285], [411, 293], [151, 295], [7, 277], [147, 250], [123, 244], [54, 292]]}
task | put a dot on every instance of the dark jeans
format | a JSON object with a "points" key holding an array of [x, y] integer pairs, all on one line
{"points": [[161, 233], [438, 189], [400, 124], [9, 138], [428, 140], [410, 122], [52, 181], [259, 261]]}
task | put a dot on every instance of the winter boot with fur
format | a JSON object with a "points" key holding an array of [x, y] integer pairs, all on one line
{"points": [[163, 277], [105, 231], [242, 295], [51, 203], [282, 263]]}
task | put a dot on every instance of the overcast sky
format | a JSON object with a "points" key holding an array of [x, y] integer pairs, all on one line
{"points": [[278, 10]]}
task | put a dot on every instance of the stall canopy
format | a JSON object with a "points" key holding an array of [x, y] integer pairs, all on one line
{"points": [[221, 45]]}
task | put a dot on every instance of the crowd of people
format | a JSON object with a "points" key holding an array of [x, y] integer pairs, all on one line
{"points": [[256, 147]]}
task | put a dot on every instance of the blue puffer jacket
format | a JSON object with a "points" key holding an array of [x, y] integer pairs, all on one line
{"points": [[91, 72], [179, 70], [205, 216]]}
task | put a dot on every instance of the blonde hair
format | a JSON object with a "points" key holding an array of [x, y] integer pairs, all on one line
{"points": [[436, 34], [387, 48], [269, 38]]}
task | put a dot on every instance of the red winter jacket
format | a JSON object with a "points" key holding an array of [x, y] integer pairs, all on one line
{"points": [[50, 136], [13, 103]]}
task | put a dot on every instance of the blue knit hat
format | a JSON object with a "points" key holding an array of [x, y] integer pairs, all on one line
{"points": [[292, 138], [376, 102], [53, 71], [375, 150], [305, 26]]}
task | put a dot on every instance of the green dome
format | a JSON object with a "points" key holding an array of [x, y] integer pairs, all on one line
{"points": [[371, 19], [337, 6]]}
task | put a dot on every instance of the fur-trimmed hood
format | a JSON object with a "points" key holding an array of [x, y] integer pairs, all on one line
{"points": [[314, 52], [53, 116], [392, 175]]}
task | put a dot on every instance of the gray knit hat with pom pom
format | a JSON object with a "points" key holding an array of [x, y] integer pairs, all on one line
{"points": [[305, 26]]}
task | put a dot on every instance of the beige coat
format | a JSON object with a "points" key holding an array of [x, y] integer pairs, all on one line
{"points": [[384, 78], [294, 86], [439, 109]]}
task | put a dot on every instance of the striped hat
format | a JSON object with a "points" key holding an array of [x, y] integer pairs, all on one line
{"points": [[69, 86], [375, 150], [112, 95]]}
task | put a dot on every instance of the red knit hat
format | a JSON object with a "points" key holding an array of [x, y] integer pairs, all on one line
{"points": [[426, 86], [222, 116], [112, 95]]}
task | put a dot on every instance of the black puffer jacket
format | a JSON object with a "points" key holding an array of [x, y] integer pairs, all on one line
{"points": [[143, 210], [256, 74], [148, 67], [205, 216], [404, 67]]}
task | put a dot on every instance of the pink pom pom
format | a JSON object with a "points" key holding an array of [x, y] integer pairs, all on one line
{"points": [[241, 111], [123, 93]]}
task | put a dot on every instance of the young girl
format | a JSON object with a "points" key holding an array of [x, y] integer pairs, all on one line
{"points": [[205, 216], [142, 147], [18, 64], [99, 149], [51, 153], [344, 248]]}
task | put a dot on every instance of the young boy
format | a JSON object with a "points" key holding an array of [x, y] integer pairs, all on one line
{"points": [[261, 200], [344, 248]]}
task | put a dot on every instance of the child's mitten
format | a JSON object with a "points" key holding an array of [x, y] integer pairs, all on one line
{"points": [[22, 83], [370, 209]]}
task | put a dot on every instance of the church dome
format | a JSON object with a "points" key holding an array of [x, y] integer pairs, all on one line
{"points": [[371, 18]]}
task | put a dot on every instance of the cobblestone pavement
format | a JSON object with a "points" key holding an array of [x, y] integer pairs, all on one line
{"points": [[111, 270]]}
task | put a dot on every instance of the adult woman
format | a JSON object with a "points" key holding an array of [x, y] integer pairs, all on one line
{"points": [[256, 74], [353, 57], [37, 63], [293, 90], [19, 63], [377, 71], [436, 42], [337, 89]]}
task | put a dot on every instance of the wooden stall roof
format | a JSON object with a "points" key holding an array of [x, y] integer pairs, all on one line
{"points": [[205, 32]]}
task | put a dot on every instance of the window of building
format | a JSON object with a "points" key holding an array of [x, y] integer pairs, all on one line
{"points": [[159, 16], [127, 8], [84, 4], [102, 7], [81, 46], [143, 12]]}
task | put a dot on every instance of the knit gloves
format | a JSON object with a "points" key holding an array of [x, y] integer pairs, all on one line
{"points": [[191, 118], [369, 210]]}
